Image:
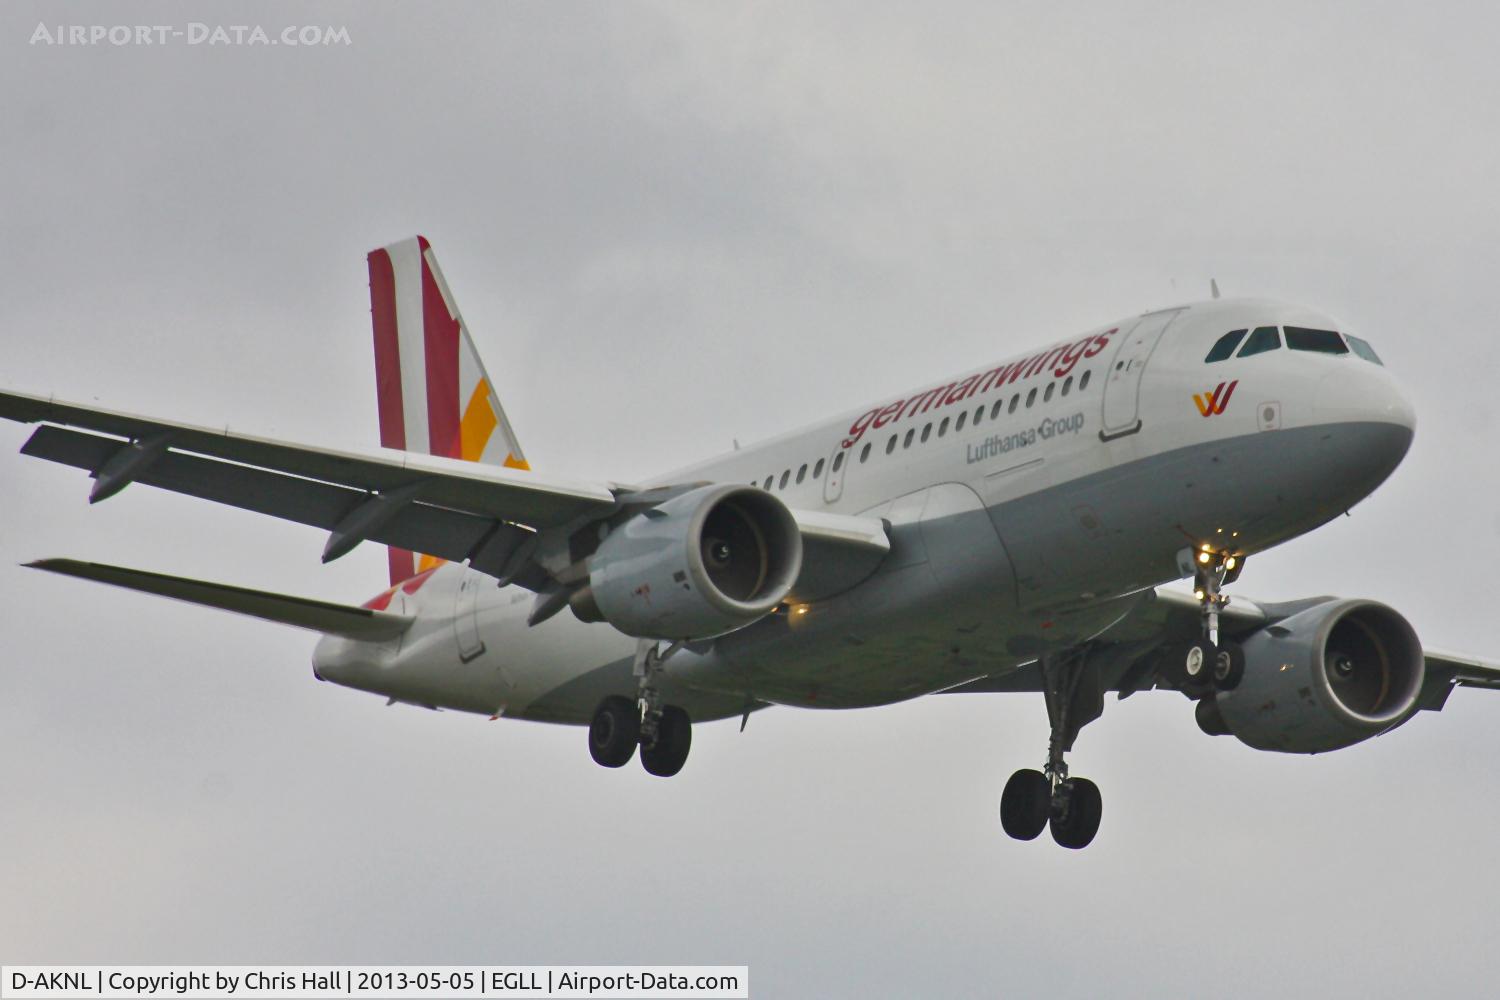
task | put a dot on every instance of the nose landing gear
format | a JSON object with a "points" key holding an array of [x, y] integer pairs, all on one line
{"points": [[1210, 663]]}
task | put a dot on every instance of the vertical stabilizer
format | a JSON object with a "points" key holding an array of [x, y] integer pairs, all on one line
{"points": [[435, 397]]}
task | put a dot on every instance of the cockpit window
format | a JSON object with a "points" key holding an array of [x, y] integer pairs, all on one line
{"points": [[1265, 338], [1300, 338], [1363, 349], [1225, 346]]}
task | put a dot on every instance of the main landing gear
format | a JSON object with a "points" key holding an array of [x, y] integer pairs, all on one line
{"points": [[663, 732], [1210, 663], [1034, 800]]}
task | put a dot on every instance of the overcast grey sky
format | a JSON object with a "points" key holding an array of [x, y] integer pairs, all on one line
{"points": [[668, 226]]}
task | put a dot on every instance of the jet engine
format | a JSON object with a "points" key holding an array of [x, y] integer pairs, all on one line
{"points": [[1323, 679], [701, 564]]}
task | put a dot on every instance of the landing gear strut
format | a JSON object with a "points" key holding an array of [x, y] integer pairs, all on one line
{"points": [[1036, 799], [1212, 663], [663, 732]]}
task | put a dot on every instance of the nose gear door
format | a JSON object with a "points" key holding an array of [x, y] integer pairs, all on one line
{"points": [[1122, 386]]}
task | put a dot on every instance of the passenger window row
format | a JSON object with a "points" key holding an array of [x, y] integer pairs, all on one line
{"points": [[1298, 338], [942, 427]]}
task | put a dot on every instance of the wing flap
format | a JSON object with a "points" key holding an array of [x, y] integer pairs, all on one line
{"points": [[300, 612]]}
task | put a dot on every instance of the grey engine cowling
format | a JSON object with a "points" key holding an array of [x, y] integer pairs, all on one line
{"points": [[1324, 678], [704, 563]]}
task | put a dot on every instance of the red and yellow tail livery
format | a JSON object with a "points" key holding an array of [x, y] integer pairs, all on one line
{"points": [[435, 397]]}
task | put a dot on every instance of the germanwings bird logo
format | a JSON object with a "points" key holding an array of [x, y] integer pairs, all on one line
{"points": [[1214, 404]]}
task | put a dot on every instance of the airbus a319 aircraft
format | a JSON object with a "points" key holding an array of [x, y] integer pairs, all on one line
{"points": [[1005, 529]]}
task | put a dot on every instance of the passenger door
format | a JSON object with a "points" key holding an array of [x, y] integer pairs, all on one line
{"points": [[1122, 385], [466, 616]]}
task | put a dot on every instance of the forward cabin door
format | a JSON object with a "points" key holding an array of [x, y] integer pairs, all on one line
{"points": [[1122, 387]]}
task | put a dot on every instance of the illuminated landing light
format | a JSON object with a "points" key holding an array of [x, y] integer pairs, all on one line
{"points": [[1204, 557], [1198, 594], [1229, 563], [801, 609]]}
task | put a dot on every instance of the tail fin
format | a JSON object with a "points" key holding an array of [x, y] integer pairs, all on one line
{"points": [[434, 395]]}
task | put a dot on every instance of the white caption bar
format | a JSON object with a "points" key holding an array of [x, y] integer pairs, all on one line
{"points": [[309, 982]]}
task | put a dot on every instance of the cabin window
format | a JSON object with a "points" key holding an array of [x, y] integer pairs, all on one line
{"points": [[943, 427], [961, 418], [864, 453], [1363, 349], [1047, 396], [1030, 398], [1300, 338], [818, 470], [1265, 338], [1224, 346], [890, 445], [1083, 383], [926, 433], [1015, 401], [909, 435], [1068, 385], [995, 410], [838, 460], [801, 473], [784, 477], [979, 414], [767, 484]]}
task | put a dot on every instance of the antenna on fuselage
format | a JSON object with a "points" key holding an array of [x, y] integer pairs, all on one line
{"points": [[1213, 286]]}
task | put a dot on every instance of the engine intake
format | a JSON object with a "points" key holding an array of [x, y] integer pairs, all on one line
{"points": [[1325, 678], [704, 563]]}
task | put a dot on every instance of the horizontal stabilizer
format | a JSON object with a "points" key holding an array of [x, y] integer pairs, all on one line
{"points": [[302, 612]]}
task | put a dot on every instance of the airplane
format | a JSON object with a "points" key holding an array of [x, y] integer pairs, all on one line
{"points": [[1012, 528]]}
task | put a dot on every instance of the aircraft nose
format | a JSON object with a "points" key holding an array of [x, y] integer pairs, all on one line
{"points": [[1364, 393], [1377, 420]]}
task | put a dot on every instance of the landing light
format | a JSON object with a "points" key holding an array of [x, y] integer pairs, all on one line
{"points": [[801, 609], [1204, 557], [1229, 563]]}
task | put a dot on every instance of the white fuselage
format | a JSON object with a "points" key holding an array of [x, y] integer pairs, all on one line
{"points": [[1027, 502]]}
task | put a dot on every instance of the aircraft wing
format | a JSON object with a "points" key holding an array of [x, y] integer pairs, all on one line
{"points": [[451, 509], [1128, 653], [455, 510]]}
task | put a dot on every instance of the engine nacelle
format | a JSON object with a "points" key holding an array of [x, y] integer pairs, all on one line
{"points": [[707, 562], [1325, 678]]}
